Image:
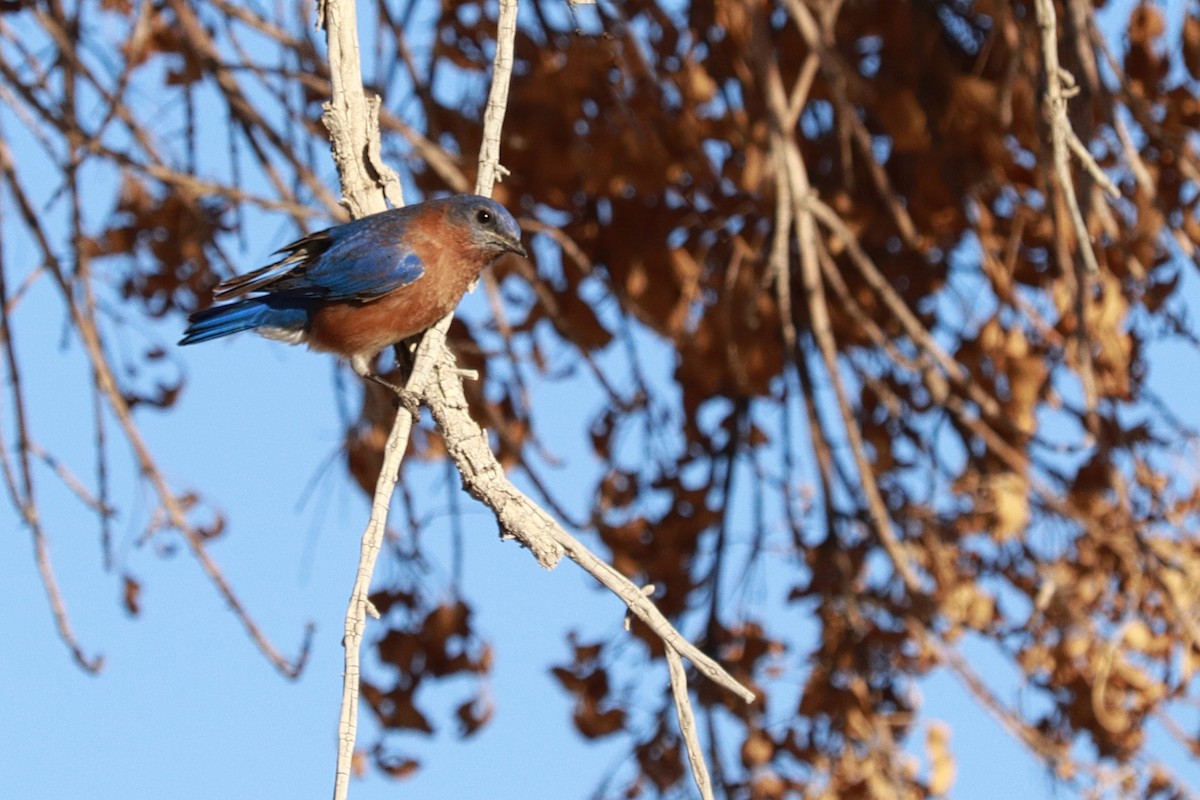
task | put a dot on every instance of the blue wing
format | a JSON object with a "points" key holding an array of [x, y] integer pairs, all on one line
{"points": [[360, 260]]}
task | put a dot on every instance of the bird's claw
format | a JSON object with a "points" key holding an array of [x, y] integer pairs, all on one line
{"points": [[411, 401]]}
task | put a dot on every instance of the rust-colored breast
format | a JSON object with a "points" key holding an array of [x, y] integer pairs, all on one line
{"points": [[354, 327]]}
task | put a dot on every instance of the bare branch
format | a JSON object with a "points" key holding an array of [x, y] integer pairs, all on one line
{"points": [[687, 724], [22, 495], [522, 519], [1060, 128]]}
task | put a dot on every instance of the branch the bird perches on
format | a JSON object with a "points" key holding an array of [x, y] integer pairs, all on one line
{"points": [[437, 383]]}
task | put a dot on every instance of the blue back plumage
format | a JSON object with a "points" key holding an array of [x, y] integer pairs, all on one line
{"points": [[366, 258], [360, 260]]}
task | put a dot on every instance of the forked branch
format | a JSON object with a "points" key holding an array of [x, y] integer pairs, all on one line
{"points": [[438, 383]]}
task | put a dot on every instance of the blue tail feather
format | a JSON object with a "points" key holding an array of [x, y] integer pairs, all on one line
{"points": [[244, 315]]}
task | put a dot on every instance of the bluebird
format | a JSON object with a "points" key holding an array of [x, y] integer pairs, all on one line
{"points": [[357, 288]]}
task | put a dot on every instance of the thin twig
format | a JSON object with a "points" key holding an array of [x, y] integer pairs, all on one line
{"points": [[1060, 128], [490, 169], [799, 187], [687, 724], [360, 604], [1059, 84], [23, 496], [105, 383], [347, 118], [70, 480]]}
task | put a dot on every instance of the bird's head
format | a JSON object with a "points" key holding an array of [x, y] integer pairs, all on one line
{"points": [[491, 227]]}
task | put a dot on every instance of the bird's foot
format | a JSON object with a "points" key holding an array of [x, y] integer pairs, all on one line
{"points": [[411, 401]]}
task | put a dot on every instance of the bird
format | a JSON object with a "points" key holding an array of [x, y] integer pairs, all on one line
{"points": [[359, 287]]}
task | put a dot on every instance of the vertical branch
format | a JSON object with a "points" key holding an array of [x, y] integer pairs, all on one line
{"points": [[360, 604], [687, 724], [23, 497], [353, 124], [490, 168], [1059, 86], [1062, 137], [822, 332], [799, 188], [355, 146], [351, 119]]}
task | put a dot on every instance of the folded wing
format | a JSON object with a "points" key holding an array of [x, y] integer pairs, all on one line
{"points": [[360, 260]]}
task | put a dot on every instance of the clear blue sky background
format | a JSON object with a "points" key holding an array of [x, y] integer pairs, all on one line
{"points": [[187, 708]]}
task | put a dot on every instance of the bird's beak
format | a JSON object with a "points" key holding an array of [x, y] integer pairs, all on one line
{"points": [[510, 245]]}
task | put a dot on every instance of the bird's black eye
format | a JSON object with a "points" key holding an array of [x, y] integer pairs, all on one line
{"points": [[484, 217]]}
